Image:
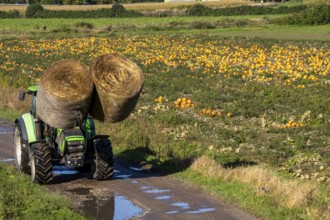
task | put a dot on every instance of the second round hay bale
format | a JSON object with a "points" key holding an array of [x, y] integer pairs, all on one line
{"points": [[118, 82], [64, 94]]}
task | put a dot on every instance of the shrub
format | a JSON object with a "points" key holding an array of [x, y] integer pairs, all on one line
{"points": [[118, 10], [84, 25], [32, 10], [198, 10]]}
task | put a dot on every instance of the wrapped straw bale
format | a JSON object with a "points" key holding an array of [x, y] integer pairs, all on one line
{"points": [[118, 82], [64, 94]]}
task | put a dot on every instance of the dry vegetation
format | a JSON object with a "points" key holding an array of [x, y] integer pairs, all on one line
{"points": [[9, 99], [290, 193]]}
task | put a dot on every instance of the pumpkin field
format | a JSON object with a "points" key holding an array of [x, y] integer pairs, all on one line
{"points": [[242, 102]]}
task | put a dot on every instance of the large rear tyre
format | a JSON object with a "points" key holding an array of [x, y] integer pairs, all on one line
{"points": [[41, 163], [21, 148], [102, 164]]}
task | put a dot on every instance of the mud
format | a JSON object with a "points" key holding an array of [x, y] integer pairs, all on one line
{"points": [[132, 194]]}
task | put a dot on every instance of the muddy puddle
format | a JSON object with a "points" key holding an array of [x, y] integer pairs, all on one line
{"points": [[112, 207], [6, 130]]}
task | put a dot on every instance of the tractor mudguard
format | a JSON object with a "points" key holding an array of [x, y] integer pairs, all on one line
{"points": [[27, 125]]}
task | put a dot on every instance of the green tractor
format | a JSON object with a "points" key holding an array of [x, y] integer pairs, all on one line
{"points": [[38, 146]]}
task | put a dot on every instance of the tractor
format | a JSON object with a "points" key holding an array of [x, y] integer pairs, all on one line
{"points": [[38, 146]]}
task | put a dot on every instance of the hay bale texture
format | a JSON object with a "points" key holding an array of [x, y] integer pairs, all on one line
{"points": [[64, 94], [118, 82]]}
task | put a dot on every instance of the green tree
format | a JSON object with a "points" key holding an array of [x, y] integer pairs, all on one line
{"points": [[32, 10]]}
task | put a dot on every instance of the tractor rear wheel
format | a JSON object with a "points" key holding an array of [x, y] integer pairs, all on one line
{"points": [[21, 148], [41, 163], [102, 164]]}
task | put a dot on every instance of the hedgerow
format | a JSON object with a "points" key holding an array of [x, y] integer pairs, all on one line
{"points": [[10, 14], [115, 11], [201, 10]]}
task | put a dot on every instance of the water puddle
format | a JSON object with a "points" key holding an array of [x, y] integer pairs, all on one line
{"points": [[157, 190], [175, 207], [182, 205], [125, 209], [172, 212], [113, 207], [135, 168], [163, 197], [123, 176], [11, 159], [202, 210], [62, 170], [6, 130], [145, 187]]}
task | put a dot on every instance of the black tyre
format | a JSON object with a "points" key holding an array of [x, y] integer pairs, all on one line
{"points": [[41, 163], [21, 148], [102, 164]]}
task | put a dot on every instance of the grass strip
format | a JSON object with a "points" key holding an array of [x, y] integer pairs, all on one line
{"points": [[10, 115], [22, 199]]}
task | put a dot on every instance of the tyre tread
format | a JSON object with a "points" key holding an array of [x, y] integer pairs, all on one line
{"points": [[103, 161], [43, 163]]}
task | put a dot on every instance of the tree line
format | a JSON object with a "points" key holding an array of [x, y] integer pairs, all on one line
{"points": [[73, 2]]}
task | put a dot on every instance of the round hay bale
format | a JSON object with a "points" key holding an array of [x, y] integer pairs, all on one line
{"points": [[64, 94], [118, 82]]}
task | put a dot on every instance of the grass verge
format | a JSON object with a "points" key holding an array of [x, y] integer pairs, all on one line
{"points": [[22, 199]]}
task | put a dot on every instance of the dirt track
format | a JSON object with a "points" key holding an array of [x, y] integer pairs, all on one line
{"points": [[131, 194]]}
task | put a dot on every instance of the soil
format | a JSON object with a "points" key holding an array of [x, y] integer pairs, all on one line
{"points": [[132, 194]]}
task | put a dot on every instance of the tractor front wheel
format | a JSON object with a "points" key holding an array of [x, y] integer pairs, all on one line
{"points": [[102, 164], [21, 152], [41, 163]]}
